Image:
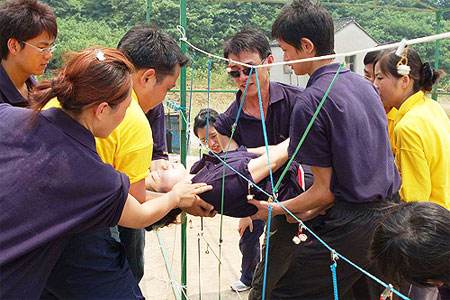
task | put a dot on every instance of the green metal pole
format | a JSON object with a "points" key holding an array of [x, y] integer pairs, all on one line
{"points": [[148, 14], [437, 52], [183, 144]]}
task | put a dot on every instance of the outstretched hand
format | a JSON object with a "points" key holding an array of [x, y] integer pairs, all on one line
{"points": [[187, 193]]}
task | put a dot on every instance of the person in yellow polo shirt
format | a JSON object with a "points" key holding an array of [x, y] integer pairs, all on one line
{"points": [[157, 60], [370, 60], [421, 139], [421, 128]]}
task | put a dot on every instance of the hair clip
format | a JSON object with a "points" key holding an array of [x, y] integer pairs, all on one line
{"points": [[402, 65], [100, 55]]}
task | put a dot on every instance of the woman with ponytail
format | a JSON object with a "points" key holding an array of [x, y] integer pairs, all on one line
{"points": [[53, 183], [421, 129]]}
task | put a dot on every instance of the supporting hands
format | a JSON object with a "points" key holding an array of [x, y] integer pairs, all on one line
{"points": [[186, 193], [263, 209], [243, 224]]}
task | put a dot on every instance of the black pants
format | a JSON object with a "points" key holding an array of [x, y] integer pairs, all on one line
{"points": [[303, 271]]}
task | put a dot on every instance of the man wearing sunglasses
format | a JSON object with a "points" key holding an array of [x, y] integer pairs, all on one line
{"points": [[27, 32], [251, 47]]}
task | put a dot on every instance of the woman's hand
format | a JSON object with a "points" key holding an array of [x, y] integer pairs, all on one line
{"points": [[186, 193]]}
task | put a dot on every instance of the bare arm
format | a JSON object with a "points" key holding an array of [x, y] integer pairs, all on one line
{"points": [[310, 203], [278, 155], [140, 215]]}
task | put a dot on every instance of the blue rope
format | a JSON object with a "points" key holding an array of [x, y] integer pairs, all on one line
{"points": [[335, 286], [263, 122], [267, 252]]}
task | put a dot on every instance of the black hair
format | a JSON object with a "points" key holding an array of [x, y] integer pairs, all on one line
{"points": [[149, 48], [305, 19], [422, 74], [23, 20], [201, 119], [371, 57], [248, 39], [413, 244]]}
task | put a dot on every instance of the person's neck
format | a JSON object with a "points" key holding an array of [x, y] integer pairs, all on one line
{"points": [[315, 65], [17, 76], [140, 94]]}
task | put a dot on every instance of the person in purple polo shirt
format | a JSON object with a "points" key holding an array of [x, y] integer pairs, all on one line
{"points": [[54, 185], [349, 153], [160, 158], [252, 47], [27, 33]]}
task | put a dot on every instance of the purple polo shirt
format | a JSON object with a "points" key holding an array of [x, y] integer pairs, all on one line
{"points": [[249, 131], [53, 184], [155, 117], [9, 93], [210, 170], [349, 135]]}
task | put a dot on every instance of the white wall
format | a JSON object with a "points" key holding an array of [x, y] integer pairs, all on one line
{"points": [[350, 38]]}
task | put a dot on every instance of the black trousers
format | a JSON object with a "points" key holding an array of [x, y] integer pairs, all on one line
{"points": [[303, 271]]}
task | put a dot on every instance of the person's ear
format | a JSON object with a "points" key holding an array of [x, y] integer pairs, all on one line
{"points": [[101, 110], [270, 59], [405, 82], [148, 78], [308, 46], [13, 46]]}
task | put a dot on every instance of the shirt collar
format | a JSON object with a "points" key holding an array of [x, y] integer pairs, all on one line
{"points": [[391, 115], [326, 69], [10, 91], [134, 96], [406, 106], [71, 127]]}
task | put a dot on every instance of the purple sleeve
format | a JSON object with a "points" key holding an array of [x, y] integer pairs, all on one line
{"points": [[223, 124], [156, 119], [315, 150]]}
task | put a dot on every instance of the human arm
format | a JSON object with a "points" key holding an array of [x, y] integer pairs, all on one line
{"points": [[412, 165], [278, 155], [139, 215], [318, 197], [156, 119]]}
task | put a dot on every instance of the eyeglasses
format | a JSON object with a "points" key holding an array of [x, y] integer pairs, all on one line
{"points": [[42, 50], [237, 73], [246, 70]]}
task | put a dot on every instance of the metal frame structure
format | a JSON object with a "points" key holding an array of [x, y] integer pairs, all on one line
{"points": [[183, 93]]}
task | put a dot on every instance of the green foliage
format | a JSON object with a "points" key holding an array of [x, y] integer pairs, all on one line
{"points": [[91, 22]]}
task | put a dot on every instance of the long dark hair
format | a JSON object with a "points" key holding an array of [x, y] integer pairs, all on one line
{"points": [[90, 77], [423, 75]]}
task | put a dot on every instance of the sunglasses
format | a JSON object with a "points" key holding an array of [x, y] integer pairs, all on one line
{"points": [[237, 73]]}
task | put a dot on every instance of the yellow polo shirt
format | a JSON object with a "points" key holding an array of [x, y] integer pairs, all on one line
{"points": [[422, 150], [391, 121], [129, 147]]}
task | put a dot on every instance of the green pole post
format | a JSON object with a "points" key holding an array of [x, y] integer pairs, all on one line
{"points": [[437, 52], [183, 144], [148, 12]]}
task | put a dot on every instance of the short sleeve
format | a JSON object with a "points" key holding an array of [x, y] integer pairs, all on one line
{"points": [[315, 150], [129, 147]]}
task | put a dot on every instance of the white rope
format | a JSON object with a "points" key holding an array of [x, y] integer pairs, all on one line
{"points": [[420, 40]]}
